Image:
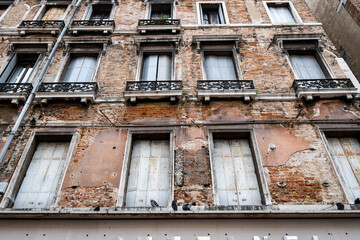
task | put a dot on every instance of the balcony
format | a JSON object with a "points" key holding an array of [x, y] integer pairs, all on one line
{"points": [[153, 90], [104, 26], [226, 89], [53, 27], [324, 88], [15, 91], [163, 25], [85, 91]]}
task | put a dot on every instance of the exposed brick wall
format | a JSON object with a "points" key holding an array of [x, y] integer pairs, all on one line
{"points": [[353, 8]]}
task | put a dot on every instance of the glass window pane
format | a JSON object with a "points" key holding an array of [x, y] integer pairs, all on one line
{"points": [[307, 67]]}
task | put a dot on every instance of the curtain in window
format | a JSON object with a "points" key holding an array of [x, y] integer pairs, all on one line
{"points": [[307, 67], [157, 67], [219, 68], [281, 14], [81, 69]]}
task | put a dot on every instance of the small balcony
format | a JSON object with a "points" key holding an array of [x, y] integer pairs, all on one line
{"points": [[153, 90], [226, 89], [85, 91], [15, 91], [324, 88], [104, 26], [159, 25], [53, 27]]}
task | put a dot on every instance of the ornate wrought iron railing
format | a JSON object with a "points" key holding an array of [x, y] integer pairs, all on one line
{"points": [[16, 88], [225, 84], [69, 87], [153, 85], [147, 22], [337, 83], [93, 23], [42, 23]]}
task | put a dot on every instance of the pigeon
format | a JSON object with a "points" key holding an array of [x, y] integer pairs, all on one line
{"points": [[193, 204], [174, 205], [357, 201], [340, 206], [97, 208], [154, 203], [186, 207]]}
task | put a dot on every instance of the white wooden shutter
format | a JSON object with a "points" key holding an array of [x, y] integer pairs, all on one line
{"points": [[81, 69], [38, 188], [221, 15], [281, 14], [149, 174], [89, 13], [235, 175], [9, 68], [346, 155], [307, 67], [164, 68], [219, 68]]}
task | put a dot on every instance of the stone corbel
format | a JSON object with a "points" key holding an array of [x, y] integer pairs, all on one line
{"points": [[66, 48], [237, 46], [177, 44], [11, 49], [138, 46], [49, 47], [105, 46], [198, 47]]}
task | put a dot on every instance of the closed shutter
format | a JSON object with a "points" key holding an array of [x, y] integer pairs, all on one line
{"points": [[54, 13], [81, 69], [346, 155], [281, 14], [235, 174], [307, 67], [219, 68], [157, 67], [149, 174], [9, 68], [38, 188]]}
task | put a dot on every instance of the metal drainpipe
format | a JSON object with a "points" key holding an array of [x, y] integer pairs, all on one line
{"points": [[36, 86]]}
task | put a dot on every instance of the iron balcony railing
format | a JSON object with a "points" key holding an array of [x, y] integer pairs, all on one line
{"points": [[16, 88], [93, 23], [42, 24], [337, 83], [69, 87], [149, 22], [225, 84], [154, 85]]}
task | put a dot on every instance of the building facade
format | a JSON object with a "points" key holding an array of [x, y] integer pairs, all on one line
{"points": [[166, 119]]}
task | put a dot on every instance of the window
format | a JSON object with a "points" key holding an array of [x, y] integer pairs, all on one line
{"points": [[80, 68], [39, 185], [99, 12], [160, 11], [54, 13], [236, 172], [282, 13], [345, 152], [19, 68], [219, 66], [157, 67], [307, 65], [149, 171], [212, 13]]}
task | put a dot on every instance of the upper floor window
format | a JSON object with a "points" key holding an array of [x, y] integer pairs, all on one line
{"points": [[160, 11], [308, 65], [81, 68], [282, 13], [157, 66], [220, 65], [99, 12], [19, 68], [54, 12], [212, 13]]}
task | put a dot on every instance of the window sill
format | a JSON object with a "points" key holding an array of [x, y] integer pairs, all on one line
{"points": [[247, 94], [133, 95]]}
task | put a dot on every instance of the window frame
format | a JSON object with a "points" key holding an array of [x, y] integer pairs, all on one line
{"points": [[67, 59], [149, 9], [90, 8], [121, 201], [220, 48], [345, 131], [36, 67], [200, 15], [25, 160], [249, 134], [158, 49], [291, 8]]}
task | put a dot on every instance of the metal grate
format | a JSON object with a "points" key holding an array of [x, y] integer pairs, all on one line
{"points": [[16, 88], [146, 22], [322, 84], [69, 87], [153, 85], [225, 84], [42, 23]]}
